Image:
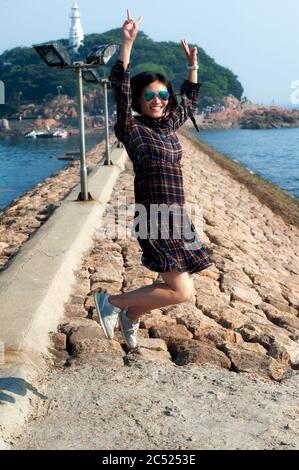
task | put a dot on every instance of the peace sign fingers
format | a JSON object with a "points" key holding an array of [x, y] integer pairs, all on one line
{"points": [[130, 27], [138, 21], [186, 46], [191, 53]]}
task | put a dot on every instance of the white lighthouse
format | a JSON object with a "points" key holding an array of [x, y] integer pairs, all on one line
{"points": [[76, 32]]}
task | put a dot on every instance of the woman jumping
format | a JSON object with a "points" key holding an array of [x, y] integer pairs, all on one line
{"points": [[155, 151]]}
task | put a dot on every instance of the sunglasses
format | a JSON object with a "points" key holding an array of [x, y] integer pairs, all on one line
{"points": [[164, 95]]}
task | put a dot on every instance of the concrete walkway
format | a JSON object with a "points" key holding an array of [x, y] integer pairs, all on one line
{"points": [[35, 286]]}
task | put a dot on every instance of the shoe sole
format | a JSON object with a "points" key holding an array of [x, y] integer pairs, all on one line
{"points": [[99, 315], [124, 337]]}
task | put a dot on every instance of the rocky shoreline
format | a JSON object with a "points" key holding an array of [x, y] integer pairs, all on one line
{"points": [[229, 355], [238, 115], [20, 219], [235, 114]]}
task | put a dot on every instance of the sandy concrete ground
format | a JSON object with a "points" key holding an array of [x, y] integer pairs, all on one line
{"points": [[150, 406]]}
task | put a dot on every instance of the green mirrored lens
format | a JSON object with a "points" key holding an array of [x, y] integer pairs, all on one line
{"points": [[149, 95], [164, 95]]}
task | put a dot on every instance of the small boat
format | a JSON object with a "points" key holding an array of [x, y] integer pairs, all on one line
{"points": [[34, 134], [62, 133]]}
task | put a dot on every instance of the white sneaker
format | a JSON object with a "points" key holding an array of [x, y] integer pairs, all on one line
{"points": [[129, 329], [108, 313]]}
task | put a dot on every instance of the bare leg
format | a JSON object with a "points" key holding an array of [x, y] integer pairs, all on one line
{"points": [[177, 288], [136, 312]]}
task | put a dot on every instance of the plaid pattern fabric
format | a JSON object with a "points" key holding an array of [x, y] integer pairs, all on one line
{"points": [[156, 152]]}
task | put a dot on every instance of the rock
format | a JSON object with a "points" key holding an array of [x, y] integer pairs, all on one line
{"points": [[106, 275], [279, 302], [284, 320], [279, 353], [220, 238], [176, 345], [252, 347], [154, 344], [60, 356], [208, 303], [228, 318], [59, 340], [202, 327], [269, 117], [103, 286], [169, 332], [212, 273], [90, 339], [217, 336], [100, 360], [203, 354], [254, 362], [156, 320], [236, 274], [73, 311], [292, 296], [152, 355], [3, 246], [71, 327], [249, 310], [240, 291], [85, 335], [132, 283], [271, 335]]}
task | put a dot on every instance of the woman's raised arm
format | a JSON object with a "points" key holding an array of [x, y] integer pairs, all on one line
{"points": [[120, 80], [129, 34], [189, 90], [191, 53]]}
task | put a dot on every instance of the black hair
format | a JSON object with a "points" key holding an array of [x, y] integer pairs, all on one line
{"points": [[143, 79]]}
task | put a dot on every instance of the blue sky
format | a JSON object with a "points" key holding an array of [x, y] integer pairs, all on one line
{"points": [[257, 39]]}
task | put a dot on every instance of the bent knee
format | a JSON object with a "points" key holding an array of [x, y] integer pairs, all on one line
{"points": [[184, 294]]}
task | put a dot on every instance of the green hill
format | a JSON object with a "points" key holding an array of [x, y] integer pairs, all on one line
{"points": [[22, 70]]}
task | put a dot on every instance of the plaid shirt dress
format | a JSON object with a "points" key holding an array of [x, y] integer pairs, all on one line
{"points": [[156, 153]]}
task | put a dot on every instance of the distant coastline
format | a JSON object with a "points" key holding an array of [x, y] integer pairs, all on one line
{"points": [[260, 117], [248, 116]]}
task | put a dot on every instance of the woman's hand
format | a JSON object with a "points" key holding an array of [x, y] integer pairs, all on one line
{"points": [[130, 28], [191, 53]]}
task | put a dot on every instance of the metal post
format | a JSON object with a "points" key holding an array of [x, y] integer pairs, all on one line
{"points": [[83, 170], [19, 99], [105, 86]]}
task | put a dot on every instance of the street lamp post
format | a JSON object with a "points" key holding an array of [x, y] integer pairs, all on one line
{"points": [[83, 170], [91, 76], [19, 100], [56, 56], [104, 83]]}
